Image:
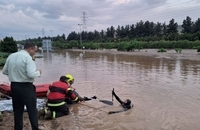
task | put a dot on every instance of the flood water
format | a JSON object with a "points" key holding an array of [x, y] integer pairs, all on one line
{"points": [[165, 92]]}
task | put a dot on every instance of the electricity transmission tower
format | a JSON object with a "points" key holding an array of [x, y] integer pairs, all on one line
{"points": [[84, 19]]}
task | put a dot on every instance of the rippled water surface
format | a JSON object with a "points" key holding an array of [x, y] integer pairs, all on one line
{"points": [[165, 92]]}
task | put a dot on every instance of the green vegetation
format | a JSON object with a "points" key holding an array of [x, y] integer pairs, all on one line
{"points": [[3, 57], [143, 34], [178, 50], [7, 46], [133, 37], [198, 49], [135, 45], [162, 50], [2, 61], [131, 45]]}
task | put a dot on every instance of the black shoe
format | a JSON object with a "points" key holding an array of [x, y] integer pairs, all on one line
{"points": [[94, 97]]}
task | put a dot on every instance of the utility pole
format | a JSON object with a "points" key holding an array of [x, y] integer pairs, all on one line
{"points": [[37, 37], [51, 35], [80, 33], [43, 32]]}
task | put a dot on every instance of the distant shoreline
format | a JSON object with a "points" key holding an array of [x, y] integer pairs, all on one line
{"points": [[190, 54]]}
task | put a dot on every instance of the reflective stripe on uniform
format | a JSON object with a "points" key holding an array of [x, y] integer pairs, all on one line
{"points": [[69, 89], [55, 104], [75, 99], [45, 111], [54, 114]]}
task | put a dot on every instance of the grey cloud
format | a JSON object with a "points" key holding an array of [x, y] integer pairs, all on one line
{"points": [[51, 16], [97, 11], [3, 3], [155, 2]]}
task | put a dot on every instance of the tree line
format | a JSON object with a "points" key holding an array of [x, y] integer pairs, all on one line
{"points": [[144, 31]]}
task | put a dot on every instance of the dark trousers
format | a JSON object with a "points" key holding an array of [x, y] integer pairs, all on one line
{"points": [[24, 94], [59, 110]]}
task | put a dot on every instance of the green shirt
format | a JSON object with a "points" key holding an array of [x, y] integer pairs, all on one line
{"points": [[20, 67]]}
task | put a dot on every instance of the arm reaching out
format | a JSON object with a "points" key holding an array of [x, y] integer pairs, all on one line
{"points": [[118, 99], [113, 112], [74, 96]]}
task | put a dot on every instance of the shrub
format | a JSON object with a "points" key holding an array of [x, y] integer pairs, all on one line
{"points": [[178, 50], [198, 49], [2, 61], [162, 50]]}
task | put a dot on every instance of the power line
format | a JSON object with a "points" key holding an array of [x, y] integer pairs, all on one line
{"points": [[176, 4], [149, 14], [137, 13]]}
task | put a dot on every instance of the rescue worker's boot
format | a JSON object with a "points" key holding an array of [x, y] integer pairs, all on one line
{"points": [[1, 117], [41, 113], [48, 115]]}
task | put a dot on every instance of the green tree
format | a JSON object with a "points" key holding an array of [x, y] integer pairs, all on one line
{"points": [[96, 35], [139, 29], [118, 31], [132, 31], [122, 32], [172, 27], [198, 49], [102, 34], [158, 29], [72, 36], [63, 36], [90, 36], [164, 28], [187, 25], [148, 29], [127, 31], [84, 36], [196, 26], [112, 29], [57, 38], [8, 45], [110, 32]]}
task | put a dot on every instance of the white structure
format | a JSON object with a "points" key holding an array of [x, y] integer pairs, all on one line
{"points": [[20, 46], [47, 44], [40, 48]]}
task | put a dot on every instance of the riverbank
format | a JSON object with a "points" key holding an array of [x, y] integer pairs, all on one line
{"points": [[62, 123], [190, 54]]}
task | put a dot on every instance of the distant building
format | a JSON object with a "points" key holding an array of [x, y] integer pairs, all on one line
{"points": [[47, 45], [20, 46]]}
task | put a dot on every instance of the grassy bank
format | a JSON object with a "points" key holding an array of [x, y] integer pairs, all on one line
{"points": [[3, 57]]}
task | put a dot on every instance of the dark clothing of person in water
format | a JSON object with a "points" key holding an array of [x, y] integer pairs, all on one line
{"points": [[125, 104]]}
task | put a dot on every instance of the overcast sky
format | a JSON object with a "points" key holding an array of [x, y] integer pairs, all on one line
{"points": [[28, 17]]}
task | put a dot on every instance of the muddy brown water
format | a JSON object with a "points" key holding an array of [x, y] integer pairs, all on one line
{"points": [[165, 89]]}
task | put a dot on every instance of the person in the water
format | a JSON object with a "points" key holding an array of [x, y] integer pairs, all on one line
{"points": [[125, 104]]}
